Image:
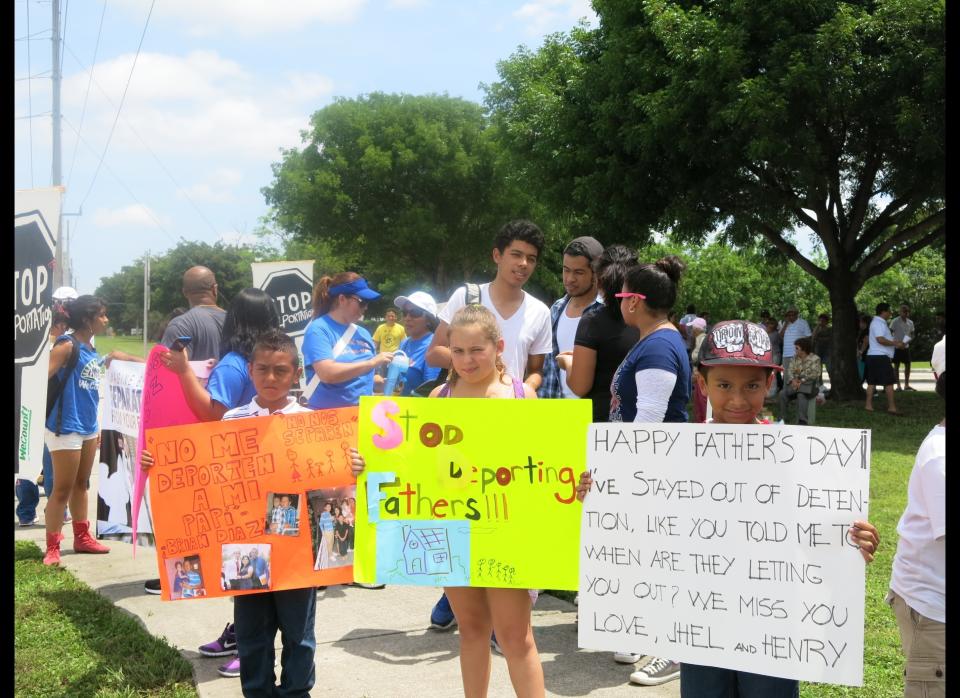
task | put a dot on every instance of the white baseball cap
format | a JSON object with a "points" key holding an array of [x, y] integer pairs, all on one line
{"points": [[938, 361], [65, 293], [418, 299]]}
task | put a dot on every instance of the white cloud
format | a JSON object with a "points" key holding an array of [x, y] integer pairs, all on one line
{"points": [[250, 17], [406, 4], [545, 16], [218, 188], [135, 215], [200, 104]]}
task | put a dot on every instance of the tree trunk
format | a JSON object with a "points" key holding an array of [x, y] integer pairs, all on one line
{"points": [[845, 383]]}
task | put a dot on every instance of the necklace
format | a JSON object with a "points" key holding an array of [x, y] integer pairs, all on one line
{"points": [[654, 328]]}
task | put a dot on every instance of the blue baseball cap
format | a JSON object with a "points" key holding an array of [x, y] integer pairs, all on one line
{"points": [[357, 287]]}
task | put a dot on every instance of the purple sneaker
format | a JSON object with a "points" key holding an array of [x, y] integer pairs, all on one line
{"points": [[231, 669], [221, 647]]}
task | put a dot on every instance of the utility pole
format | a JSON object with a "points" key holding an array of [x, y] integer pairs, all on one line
{"points": [[57, 176]]}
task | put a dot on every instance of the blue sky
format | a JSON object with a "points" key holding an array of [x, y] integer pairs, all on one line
{"points": [[218, 89]]}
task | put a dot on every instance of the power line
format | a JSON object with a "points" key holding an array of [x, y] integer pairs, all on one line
{"points": [[32, 116], [143, 142], [121, 183], [83, 112], [120, 108], [32, 77]]}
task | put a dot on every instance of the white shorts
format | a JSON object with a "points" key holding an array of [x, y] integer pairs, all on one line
{"points": [[67, 442]]}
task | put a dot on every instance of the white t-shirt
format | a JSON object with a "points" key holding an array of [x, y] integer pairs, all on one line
{"points": [[526, 333], [919, 567], [566, 333], [878, 328], [795, 330], [252, 409], [901, 328]]}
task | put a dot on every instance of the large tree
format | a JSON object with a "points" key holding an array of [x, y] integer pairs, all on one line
{"points": [[768, 121], [123, 291], [412, 187]]}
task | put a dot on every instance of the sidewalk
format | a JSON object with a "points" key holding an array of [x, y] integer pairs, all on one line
{"points": [[370, 643]]}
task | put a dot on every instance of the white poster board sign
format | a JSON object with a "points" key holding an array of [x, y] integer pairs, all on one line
{"points": [[36, 229], [123, 388], [725, 545]]}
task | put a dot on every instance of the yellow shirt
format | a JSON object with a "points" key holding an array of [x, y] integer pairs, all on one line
{"points": [[387, 338]]}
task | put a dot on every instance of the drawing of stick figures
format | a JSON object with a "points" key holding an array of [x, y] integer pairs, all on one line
{"points": [[309, 467], [329, 461], [345, 447], [294, 474]]}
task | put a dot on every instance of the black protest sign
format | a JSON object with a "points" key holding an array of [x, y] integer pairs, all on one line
{"points": [[292, 291]]}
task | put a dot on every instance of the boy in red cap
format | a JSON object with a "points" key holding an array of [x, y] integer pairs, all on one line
{"points": [[735, 370]]}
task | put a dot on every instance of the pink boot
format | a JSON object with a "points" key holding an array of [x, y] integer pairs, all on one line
{"points": [[83, 542], [52, 556]]}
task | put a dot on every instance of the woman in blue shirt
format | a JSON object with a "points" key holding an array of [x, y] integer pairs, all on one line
{"points": [[420, 321], [652, 384], [251, 313], [72, 430], [338, 354]]}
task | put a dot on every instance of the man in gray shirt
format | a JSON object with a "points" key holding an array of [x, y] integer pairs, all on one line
{"points": [[204, 321]]}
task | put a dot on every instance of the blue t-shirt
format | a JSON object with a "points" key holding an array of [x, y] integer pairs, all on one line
{"points": [[665, 350], [81, 394], [230, 383], [416, 350], [319, 339], [326, 521]]}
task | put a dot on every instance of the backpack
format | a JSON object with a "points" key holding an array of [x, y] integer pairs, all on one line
{"points": [[471, 297], [56, 385]]}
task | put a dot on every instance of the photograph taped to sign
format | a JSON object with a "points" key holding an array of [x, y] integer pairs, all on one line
{"points": [[727, 545], [246, 482], [462, 492]]}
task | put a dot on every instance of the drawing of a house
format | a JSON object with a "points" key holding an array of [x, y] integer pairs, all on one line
{"points": [[426, 550]]}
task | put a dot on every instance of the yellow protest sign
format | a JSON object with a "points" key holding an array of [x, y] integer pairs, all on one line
{"points": [[467, 492]]}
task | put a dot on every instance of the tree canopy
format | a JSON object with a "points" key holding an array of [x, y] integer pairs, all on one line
{"points": [[413, 188], [754, 120]]}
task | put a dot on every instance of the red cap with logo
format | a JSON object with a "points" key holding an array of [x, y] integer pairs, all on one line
{"points": [[738, 343]]}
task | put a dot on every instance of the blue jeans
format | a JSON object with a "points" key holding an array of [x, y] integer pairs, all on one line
{"points": [[47, 472], [698, 681], [28, 495], [257, 617]]}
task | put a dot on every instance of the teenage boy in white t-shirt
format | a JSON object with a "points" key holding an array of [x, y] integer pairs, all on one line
{"points": [[524, 323]]}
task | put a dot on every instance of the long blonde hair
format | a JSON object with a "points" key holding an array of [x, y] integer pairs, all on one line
{"points": [[481, 317]]}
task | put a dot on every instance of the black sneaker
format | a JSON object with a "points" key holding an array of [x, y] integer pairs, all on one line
{"points": [[152, 586], [366, 585]]}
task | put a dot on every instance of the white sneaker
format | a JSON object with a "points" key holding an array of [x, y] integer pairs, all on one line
{"points": [[627, 657], [656, 672]]}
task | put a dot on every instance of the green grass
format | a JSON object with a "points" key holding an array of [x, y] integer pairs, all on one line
{"points": [[70, 641], [131, 345]]}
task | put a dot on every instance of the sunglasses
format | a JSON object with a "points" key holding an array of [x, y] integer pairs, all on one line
{"points": [[358, 299], [414, 312], [627, 294]]}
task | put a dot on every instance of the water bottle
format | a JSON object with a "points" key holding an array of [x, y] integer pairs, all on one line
{"points": [[397, 369]]}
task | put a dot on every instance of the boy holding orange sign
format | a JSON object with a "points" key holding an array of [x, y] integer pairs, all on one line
{"points": [[274, 368]]}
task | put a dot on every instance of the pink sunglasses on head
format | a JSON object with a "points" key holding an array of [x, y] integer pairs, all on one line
{"points": [[627, 294]]}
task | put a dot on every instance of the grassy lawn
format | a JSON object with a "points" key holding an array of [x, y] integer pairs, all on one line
{"points": [[131, 345], [70, 641]]}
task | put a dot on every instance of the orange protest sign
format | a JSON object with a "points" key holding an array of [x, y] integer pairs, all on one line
{"points": [[255, 504]]}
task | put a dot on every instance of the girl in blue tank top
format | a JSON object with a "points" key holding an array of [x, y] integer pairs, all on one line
{"points": [[72, 430], [478, 371]]}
